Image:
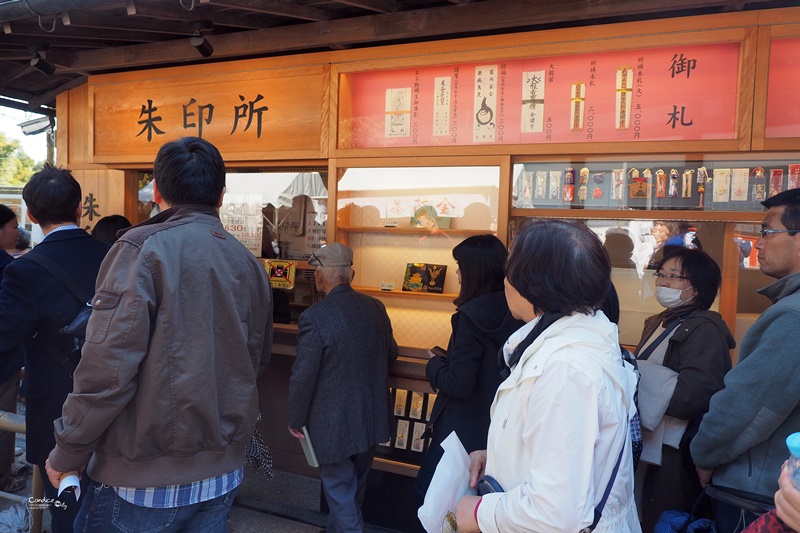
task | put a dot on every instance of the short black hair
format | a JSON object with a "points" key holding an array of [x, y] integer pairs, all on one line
{"points": [[703, 273], [6, 214], [189, 171], [52, 195], [107, 227], [559, 266], [24, 241], [791, 215], [610, 305], [481, 260]]}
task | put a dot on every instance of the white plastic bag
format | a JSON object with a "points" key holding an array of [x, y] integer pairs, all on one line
{"points": [[449, 483]]}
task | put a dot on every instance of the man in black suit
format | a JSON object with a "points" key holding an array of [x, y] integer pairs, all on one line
{"points": [[34, 305], [338, 388]]}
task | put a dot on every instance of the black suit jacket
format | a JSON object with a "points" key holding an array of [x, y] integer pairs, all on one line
{"points": [[34, 305]]}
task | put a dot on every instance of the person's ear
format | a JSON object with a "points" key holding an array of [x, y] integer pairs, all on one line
{"points": [[33, 218], [157, 198], [221, 196]]}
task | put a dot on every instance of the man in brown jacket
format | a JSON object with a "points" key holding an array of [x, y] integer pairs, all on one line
{"points": [[165, 395]]}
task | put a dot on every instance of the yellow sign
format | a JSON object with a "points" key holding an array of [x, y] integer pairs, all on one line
{"points": [[281, 273]]}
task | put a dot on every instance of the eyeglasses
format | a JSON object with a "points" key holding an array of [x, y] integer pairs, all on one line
{"points": [[765, 232], [671, 277]]}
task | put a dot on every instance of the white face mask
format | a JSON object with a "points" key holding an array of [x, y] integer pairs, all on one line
{"points": [[671, 298]]}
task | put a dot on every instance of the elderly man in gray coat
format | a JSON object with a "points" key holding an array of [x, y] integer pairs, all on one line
{"points": [[338, 389]]}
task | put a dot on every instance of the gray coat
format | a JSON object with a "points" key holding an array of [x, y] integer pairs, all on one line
{"points": [[338, 387], [742, 437]]}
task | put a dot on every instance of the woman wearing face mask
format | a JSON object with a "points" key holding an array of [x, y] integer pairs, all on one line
{"points": [[683, 356]]}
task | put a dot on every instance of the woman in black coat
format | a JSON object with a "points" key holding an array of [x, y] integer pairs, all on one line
{"points": [[467, 378]]}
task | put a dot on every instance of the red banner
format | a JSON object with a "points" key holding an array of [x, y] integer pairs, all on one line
{"points": [[664, 94], [783, 93]]}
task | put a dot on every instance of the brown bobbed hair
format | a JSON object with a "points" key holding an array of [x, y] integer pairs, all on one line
{"points": [[559, 266]]}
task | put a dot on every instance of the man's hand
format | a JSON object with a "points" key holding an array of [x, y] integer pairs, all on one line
{"points": [[53, 475], [297, 433], [704, 475]]}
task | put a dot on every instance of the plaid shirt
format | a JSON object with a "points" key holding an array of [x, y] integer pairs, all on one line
{"points": [[181, 495]]}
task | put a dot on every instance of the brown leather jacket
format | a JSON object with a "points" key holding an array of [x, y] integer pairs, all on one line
{"points": [[166, 389]]}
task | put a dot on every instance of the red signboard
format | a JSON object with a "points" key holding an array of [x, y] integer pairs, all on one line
{"points": [[664, 94], [783, 92]]}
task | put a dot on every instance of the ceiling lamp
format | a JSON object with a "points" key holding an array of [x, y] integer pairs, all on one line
{"points": [[40, 63], [198, 39]]}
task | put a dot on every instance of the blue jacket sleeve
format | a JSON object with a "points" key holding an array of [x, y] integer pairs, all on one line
{"points": [[759, 394]]}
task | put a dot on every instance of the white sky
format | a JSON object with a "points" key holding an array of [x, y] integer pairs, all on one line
{"points": [[33, 145]]}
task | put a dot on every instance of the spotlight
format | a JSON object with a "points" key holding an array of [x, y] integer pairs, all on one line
{"points": [[198, 40], [40, 63]]}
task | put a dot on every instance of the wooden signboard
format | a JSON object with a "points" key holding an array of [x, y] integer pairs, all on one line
{"points": [[248, 111]]}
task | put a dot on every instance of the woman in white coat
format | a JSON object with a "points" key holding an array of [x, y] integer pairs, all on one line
{"points": [[559, 435]]}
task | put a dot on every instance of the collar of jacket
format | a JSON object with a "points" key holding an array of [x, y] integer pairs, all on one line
{"points": [[783, 287], [679, 314], [577, 331], [175, 212]]}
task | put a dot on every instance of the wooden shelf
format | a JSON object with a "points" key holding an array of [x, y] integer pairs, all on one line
{"points": [[433, 295], [411, 231], [395, 467]]}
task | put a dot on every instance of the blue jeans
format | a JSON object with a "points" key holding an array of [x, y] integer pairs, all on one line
{"points": [[731, 519], [105, 512]]}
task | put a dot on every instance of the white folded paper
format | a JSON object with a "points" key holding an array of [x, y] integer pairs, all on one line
{"points": [[449, 483]]}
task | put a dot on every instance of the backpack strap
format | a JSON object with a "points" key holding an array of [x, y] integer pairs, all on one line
{"points": [[598, 511], [68, 282], [66, 362], [647, 352]]}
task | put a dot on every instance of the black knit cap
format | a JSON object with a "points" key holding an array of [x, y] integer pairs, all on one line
{"points": [[790, 197], [6, 214]]}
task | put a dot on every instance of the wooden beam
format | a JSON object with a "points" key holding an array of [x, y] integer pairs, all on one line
{"points": [[50, 96], [407, 25], [73, 32], [275, 8], [379, 6], [81, 19], [177, 13], [22, 106], [15, 72]]}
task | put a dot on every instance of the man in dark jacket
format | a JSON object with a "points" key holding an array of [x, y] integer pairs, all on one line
{"points": [[165, 396], [34, 305], [338, 389]]}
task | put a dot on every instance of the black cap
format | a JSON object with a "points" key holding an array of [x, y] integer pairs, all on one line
{"points": [[790, 197]]}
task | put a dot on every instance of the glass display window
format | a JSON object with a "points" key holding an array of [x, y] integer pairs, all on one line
{"points": [[402, 224], [282, 217], [661, 183], [635, 247]]}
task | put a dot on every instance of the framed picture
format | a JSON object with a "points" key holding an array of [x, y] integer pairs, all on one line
{"points": [[424, 277]]}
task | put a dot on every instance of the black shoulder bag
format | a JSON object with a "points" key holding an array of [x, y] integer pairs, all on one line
{"points": [[77, 327]]}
